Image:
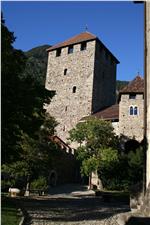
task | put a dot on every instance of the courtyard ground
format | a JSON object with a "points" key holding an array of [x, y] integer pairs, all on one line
{"points": [[72, 205], [76, 205]]}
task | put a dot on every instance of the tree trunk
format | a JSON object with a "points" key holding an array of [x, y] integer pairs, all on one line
{"points": [[90, 184], [27, 191]]}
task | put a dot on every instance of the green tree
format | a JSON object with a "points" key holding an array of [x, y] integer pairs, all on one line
{"points": [[12, 64], [23, 142], [94, 136], [136, 165]]}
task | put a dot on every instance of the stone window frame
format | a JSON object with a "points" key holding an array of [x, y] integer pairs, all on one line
{"points": [[133, 107], [58, 52], [70, 49]]}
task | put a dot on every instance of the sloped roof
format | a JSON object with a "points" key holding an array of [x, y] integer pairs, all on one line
{"points": [[59, 141], [109, 113], [135, 86], [85, 36]]}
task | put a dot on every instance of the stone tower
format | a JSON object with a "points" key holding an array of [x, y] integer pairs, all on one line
{"points": [[82, 72], [131, 110]]}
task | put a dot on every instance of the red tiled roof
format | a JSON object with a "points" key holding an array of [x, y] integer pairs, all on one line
{"points": [[135, 86], [85, 36], [109, 113], [59, 141]]}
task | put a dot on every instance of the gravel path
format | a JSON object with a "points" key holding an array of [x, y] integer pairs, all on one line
{"points": [[72, 206]]}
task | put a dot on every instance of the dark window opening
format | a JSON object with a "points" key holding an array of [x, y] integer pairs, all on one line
{"points": [[65, 71], [66, 108], [131, 110], [135, 110], [132, 96], [58, 52], [83, 46], [70, 49], [74, 89]]}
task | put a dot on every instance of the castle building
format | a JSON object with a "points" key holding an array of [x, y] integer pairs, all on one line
{"points": [[82, 73], [127, 116], [131, 110]]}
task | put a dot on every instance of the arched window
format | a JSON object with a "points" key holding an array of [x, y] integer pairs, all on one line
{"points": [[135, 110], [131, 110]]}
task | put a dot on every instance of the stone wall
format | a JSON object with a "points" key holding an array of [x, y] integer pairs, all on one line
{"points": [[131, 126], [104, 86], [68, 107], [148, 88]]}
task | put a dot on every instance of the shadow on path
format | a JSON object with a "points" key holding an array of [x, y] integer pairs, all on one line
{"points": [[71, 210]]}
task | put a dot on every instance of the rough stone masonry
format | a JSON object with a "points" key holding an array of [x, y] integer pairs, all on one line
{"points": [[82, 72]]}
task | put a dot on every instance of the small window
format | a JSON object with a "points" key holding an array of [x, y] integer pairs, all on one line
{"points": [[83, 46], [70, 49], [66, 108], [131, 110], [74, 89], [58, 52], [132, 96], [65, 71], [135, 110]]}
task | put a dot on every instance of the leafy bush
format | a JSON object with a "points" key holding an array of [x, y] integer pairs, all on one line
{"points": [[136, 165], [40, 183], [120, 171]]}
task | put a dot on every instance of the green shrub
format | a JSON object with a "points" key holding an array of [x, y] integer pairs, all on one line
{"points": [[40, 183]]}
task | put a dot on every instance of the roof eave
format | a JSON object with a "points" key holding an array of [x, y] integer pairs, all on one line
{"points": [[64, 46]]}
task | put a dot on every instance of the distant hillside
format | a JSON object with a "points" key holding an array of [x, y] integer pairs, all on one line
{"points": [[120, 84], [37, 65], [37, 62]]}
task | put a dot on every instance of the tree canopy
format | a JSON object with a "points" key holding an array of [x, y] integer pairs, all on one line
{"points": [[93, 136], [25, 125]]}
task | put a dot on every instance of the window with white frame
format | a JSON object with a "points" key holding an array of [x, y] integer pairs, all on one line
{"points": [[133, 110]]}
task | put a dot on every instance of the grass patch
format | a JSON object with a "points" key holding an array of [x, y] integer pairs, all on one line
{"points": [[9, 213]]}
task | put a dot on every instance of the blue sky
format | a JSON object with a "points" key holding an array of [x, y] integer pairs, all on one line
{"points": [[119, 25]]}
